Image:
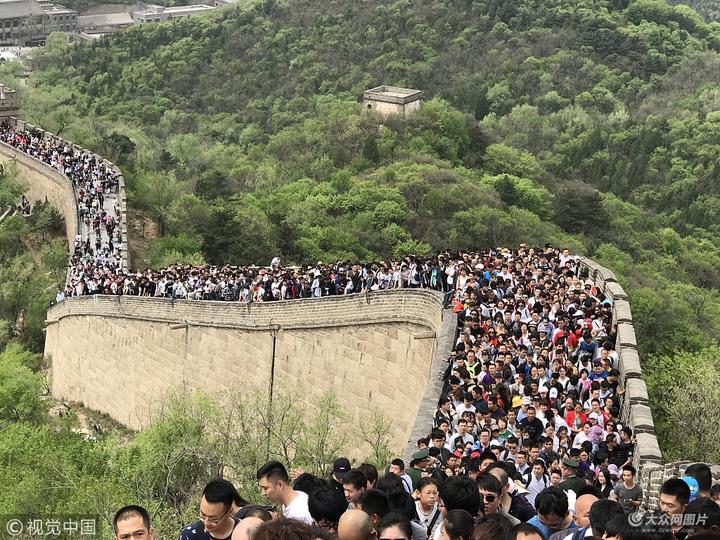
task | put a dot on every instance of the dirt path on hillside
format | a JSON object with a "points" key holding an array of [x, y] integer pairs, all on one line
{"points": [[141, 230]]}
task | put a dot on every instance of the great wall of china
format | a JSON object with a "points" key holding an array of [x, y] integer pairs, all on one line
{"points": [[120, 354]]}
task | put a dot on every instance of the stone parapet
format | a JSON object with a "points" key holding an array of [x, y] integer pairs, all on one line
{"points": [[121, 355], [635, 410]]}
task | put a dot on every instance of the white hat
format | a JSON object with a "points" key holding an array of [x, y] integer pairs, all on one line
{"points": [[553, 393]]}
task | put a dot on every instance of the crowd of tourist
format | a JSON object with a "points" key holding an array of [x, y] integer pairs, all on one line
{"points": [[97, 249], [527, 440], [526, 443]]}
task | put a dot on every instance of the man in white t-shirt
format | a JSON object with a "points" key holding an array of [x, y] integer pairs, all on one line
{"points": [[275, 485]]}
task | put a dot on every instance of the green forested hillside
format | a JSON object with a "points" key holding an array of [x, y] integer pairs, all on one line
{"points": [[592, 124], [707, 8]]}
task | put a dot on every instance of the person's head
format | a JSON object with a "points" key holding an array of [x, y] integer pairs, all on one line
{"points": [[552, 508], [371, 473], [428, 492], [620, 527], [555, 477], [287, 529], [273, 481], [538, 468], [490, 490], [374, 503], [354, 483], [701, 472], [602, 511], [628, 473], [216, 504], [492, 526], [397, 466], [525, 531], [326, 505], [132, 523], [705, 516], [582, 509], [674, 496], [460, 493], [394, 526], [248, 526], [458, 525]]}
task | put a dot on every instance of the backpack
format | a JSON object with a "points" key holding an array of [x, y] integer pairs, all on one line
{"points": [[530, 477]]}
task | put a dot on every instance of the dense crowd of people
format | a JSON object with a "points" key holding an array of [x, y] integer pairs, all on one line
{"points": [[97, 251], [526, 443]]}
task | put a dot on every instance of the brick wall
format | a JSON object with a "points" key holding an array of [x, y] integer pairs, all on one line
{"points": [[44, 183], [120, 355]]}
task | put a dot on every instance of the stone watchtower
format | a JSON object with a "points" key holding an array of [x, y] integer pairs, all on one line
{"points": [[391, 101], [9, 103]]}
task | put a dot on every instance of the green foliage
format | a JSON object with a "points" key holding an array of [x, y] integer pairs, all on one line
{"points": [[686, 385], [20, 388], [591, 125]]}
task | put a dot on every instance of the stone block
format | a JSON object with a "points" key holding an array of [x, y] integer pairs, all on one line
{"points": [[626, 335]]}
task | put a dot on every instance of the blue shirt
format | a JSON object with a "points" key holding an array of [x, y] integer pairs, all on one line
{"points": [[544, 530]]}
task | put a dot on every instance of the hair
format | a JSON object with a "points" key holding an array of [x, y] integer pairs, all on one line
{"points": [[326, 504], [264, 514], [394, 519], [283, 529], [701, 473], [492, 526], [219, 490], [401, 502], [307, 483], [355, 478], [620, 527], [400, 463], [460, 493], [630, 468], [425, 482], [459, 524], [130, 511], [551, 500], [488, 482], [374, 501], [525, 529], [389, 482], [706, 507], [370, 471], [601, 512], [676, 488], [273, 471], [434, 434]]}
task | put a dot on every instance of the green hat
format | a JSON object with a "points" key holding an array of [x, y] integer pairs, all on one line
{"points": [[421, 454], [571, 463]]}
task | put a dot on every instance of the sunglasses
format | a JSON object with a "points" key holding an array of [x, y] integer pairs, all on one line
{"points": [[488, 497]]}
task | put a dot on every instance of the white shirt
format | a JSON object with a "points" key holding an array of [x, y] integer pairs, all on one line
{"points": [[298, 509]]}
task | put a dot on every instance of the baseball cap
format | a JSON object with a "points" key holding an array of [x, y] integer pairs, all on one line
{"points": [[341, 466], [693, 485]]}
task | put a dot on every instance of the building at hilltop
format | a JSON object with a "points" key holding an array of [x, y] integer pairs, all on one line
{"points": [[155, 14], [391, 101], [28, 22]]}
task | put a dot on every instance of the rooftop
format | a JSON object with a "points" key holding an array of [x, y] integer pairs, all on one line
{"points": [[11, 9], [393, 94]]}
